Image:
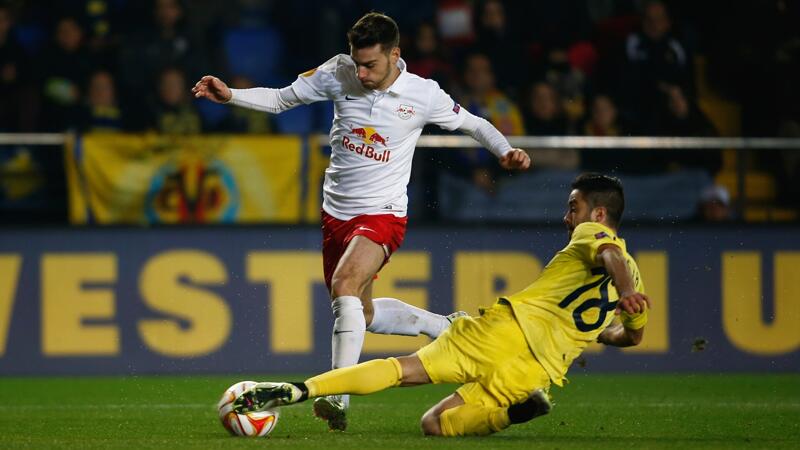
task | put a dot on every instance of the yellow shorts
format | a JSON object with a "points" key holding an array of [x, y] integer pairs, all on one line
{"points": [[489, 356]]}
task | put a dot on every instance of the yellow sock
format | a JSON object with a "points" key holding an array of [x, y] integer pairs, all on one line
{"points": [[473, 420], [365, 378]]}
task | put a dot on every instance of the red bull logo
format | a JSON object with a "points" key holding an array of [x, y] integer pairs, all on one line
{"points": [[370, 137], [378, 139]]}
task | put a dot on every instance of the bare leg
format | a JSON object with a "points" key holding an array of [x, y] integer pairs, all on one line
{"points": [[430, 423], [353, 275], [355, 271], [414, 373]]}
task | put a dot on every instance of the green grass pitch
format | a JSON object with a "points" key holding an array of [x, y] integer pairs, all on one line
{"points": [[593, 411]]}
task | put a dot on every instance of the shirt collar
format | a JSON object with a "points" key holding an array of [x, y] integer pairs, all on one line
{"points": [[400, 83]]}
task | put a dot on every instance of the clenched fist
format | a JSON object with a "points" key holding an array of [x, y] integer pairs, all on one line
{"points": [[213, 89]]}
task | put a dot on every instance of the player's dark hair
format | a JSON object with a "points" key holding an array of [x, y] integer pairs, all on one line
{"points": [[374, 28], [602, 190]]}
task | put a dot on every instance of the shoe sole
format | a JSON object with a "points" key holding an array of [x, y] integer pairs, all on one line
{"points": [[543, 403], [336, 418], [256, 401]]}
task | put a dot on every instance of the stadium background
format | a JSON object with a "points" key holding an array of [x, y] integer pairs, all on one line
{"points": [[146, 233]]}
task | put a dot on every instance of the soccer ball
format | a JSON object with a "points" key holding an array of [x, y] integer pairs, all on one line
{"points": [[254, 424]]}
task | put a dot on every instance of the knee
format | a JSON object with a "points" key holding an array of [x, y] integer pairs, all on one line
{"points": [[430, 424], [344, 284]]}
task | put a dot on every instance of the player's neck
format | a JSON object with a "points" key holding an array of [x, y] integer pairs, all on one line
{"points": [[614, 229]]}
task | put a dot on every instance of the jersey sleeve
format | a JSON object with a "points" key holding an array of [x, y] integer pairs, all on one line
{"points": [[318, 84], [443, 110], [588, 237]]}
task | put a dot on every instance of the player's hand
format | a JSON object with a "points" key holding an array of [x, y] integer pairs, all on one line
{"points": [[213, 89], [516, 159], [632, 303]]}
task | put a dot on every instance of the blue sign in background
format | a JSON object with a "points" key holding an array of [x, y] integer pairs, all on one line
{"points": [[694, 278]]}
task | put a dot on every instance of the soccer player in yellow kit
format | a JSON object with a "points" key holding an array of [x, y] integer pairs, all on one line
{"points": [[507, 358]]}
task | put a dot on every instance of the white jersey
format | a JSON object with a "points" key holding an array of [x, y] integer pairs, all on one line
{"points": [[374, 134]]}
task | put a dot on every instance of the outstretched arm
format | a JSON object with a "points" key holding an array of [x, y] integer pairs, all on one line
{"points": [[630, 301], [262, 99], [485, 133]]}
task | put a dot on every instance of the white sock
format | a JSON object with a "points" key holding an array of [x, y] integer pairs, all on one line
{"points": [[392, 316], [349, 328]]}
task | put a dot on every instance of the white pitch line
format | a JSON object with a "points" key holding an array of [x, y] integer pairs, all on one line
{"points": [[790, 405], [122, 406], [114, 406]]}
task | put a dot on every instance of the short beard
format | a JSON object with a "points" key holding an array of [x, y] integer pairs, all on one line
{"points": [[378, 84]]}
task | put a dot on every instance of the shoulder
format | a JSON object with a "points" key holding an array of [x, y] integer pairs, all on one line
{"points": [[331, 67], [336, 63], [592, 228], [423, 91], [419, 84], [430, 90], [332, 76], [594, 235]]}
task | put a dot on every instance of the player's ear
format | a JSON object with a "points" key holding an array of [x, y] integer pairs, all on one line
{"points": [[599, 214], [394, 54]]}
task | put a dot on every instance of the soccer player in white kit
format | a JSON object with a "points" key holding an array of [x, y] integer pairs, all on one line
{"points": [[379, 112]]}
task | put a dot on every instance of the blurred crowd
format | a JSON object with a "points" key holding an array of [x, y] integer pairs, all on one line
{"points": [[585, 67], [536, 67]]}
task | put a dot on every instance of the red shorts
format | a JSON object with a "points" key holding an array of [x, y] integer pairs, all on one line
{"points": [[386, 230]]}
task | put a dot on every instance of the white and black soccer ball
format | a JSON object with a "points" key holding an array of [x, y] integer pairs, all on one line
{"points": [[254, 424]]}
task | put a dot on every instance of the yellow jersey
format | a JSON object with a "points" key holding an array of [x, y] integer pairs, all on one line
{"points": [[573, 300]]}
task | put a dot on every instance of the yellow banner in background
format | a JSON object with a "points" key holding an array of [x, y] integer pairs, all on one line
{"points": [[319, 155], [148, 178]]}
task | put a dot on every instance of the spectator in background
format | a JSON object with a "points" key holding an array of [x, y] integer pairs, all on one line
{"points": [[97, 18], [554, 24], [545, 117], [66, 66], [604, 121], [603, 118], [499, 41], [173, 111], [682, 117], [245, 120], [544, 113], [167, 42], [101, 113], [714, 205], [653, 57], [454, 20], [568, 69], [481, 97], [426, 58], [678, 115], [17, 97]]}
